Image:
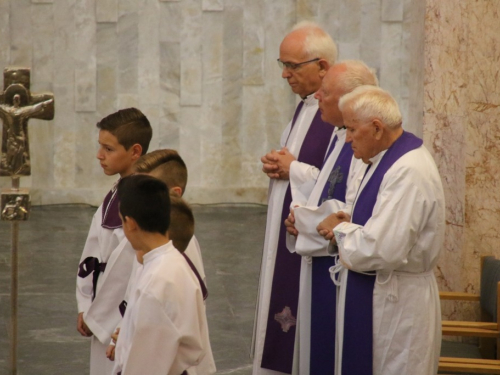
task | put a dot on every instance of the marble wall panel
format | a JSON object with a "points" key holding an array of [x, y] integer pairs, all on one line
{"points": [[107, 72], [446, 32], [279, 101], [106, 10], [21, 35], [349, 51], [128, 50], [5, 35], [213, 108], [329, 17], [371, 34], [42, 20], [392, 10], [350, 21], [252, 147], [190, 145], [180, 61], [170, 22], [64, 94], [169, 95], [191, 64], [306, 10], [416, 67], [482, 204], [212, 5], [232, 60], [42, 1], [390, 64], [253, 43], [149, 65], [85, 56]]}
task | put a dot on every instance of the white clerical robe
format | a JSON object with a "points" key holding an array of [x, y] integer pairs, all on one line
{"points": [[401, 242], [292, 139], [164, 330], [102, 314], [193, 252], [309, 243]]}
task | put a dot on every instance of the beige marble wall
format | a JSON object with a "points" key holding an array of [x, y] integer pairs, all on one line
{"points": [[456, 85], [203, 71]]}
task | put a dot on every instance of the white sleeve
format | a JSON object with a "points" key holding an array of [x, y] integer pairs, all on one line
{"points": [[309, 242], [158, 346], [386, 239], [302, 180], [103, 314]]}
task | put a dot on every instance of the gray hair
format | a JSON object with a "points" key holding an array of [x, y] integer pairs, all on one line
{"points": [[370, 102], [357, 74], [317, 42]]}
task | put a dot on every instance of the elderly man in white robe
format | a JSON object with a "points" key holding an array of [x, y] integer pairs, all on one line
{"points": [[305, 55], [317, 299], [389, 246]]}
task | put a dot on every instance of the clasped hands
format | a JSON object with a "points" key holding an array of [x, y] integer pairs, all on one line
{"points": [[276, 164], [324, 228]]}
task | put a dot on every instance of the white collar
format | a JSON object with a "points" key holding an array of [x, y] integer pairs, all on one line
{"points": [[159, 251]]}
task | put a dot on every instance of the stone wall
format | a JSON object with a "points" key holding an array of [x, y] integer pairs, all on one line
{"points": [[455, 95], [203, 71]]}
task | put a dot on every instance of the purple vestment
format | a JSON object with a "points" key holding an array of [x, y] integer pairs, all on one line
{"points": [[357, 351], [280, 332]]}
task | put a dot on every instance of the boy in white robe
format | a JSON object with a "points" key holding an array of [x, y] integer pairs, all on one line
{"points": [[106, 262], [168, 166], [164, 330]]}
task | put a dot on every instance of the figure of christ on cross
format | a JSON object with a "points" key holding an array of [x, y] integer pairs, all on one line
{"points": [[15, 153], [17, 106]]}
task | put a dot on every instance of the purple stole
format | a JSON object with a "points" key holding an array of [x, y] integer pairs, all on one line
{"points": [[110, 211], [110, 220], [280, 332], [323, 291], [358, 322]]}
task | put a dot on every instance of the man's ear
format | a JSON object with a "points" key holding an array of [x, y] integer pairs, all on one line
{"points": [[378, 128], [323, 67], [136, 151]]}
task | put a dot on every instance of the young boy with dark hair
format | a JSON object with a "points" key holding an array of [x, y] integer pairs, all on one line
{"points": [[106, 262], [181, 228], [168, 166], [164, 330]]}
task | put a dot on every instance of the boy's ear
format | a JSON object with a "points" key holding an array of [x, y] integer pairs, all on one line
{"points": [[136, 151], [177, 190], [130, 223]]}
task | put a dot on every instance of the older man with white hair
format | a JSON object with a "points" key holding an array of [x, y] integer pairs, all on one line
{"points": [[317, 301], [305, 55], [389, 312]]}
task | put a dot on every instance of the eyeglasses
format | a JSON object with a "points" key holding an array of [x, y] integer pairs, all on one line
{"points": [[293, 66]]}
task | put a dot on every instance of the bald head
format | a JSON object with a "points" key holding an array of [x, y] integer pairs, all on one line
{"points": [[339, 80], [307, 52]]}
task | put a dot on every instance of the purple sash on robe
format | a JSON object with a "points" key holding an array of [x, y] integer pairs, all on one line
{"points": [[110, 211], [323, 291], [358, 322], [280, 331]]}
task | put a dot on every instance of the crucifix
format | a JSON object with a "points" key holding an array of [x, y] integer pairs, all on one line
{"points": [[17, 106]]}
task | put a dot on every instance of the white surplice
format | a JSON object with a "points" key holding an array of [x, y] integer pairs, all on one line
{"points": [[193, 252], [277, 189], [102, 315], [401, 242], [164, 330]]}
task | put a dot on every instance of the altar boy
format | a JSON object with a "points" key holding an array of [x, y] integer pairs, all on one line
{"points": [[164, 330], [106, 262]]}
